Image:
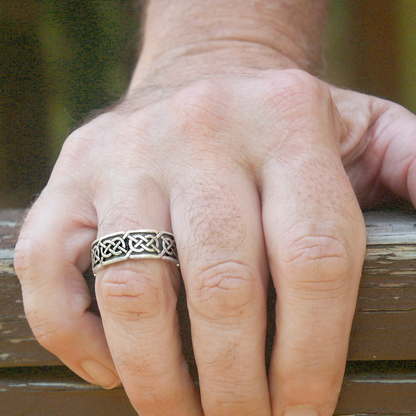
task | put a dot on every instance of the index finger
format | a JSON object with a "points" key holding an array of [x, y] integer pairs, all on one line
{"points": [[52, 251]]}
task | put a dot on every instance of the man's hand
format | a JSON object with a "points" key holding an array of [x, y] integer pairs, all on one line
{"points": [[248, 168], [247, 172]]}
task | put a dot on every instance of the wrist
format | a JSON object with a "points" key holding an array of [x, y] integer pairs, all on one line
{"points": [[187, 64], [188, 39]]}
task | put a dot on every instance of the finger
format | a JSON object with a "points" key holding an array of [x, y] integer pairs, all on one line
{"points": [[315, 238], [395, 147], [379, 150], [137, 301], [52, 251], [220, 243]]}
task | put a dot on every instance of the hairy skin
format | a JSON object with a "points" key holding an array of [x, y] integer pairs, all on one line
{"points": [[258, 170]]}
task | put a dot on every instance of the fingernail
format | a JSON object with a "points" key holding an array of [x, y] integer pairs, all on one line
{"points": [[102, 375], [301, 411]]}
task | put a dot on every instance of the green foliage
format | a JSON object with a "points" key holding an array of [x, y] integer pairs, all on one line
{"points": [[86, 45], [406, 28]]}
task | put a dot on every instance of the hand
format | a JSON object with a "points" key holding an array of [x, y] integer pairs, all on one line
{"points": [[249, 173]]}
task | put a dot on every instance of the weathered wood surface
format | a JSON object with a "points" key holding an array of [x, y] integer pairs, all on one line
{"points": [[384, 327], [56, 391]]}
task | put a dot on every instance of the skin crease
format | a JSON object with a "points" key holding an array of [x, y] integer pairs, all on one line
{"points": [[259, 169]]}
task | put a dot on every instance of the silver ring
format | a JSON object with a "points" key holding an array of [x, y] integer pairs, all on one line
{"points": [[137, 244]]}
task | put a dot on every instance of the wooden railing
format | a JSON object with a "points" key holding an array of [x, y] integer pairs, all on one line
{"points": [[381, 371]]}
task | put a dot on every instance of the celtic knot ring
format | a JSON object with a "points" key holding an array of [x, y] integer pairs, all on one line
{"points": [[139, 244]]}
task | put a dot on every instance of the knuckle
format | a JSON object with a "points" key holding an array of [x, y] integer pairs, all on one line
{"points": [[223, 291], [20, 260], [82, 142], [200, 108], [50, 338], [130, 294], [302, 108], [27, 253], [51, 333], [297, 84], [296, 93], [73, 149], [317, 262]]}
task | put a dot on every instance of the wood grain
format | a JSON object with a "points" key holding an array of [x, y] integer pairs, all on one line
{"points": [[39, 391], [33, 381]]}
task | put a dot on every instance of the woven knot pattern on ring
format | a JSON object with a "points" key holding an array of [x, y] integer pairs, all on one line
{"points": [[133, 245]]}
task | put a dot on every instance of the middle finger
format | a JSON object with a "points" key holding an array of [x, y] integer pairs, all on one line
{"points": [[221, 249]]}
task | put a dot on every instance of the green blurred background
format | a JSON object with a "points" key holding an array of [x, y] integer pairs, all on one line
{"points": [[61, 59]]}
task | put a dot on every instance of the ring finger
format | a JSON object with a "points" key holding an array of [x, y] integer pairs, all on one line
{"points": [[137, 300]]}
